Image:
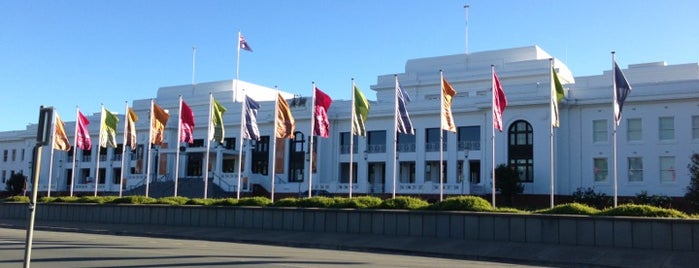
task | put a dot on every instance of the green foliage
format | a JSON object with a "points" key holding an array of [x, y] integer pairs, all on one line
{"points": [[591, 198], [16, 184], [662, 201], [642, 211], [47, 199], [172, 200], [96, 199], [134, 199], [256, 201], [316, 202], [201, 201], [404, 202], [225, 202], [17, 198], [692, 193], [286, 202], [362, 202], [463, 203], [507, 182], [570, 208], [66, 199], [510, 210]]}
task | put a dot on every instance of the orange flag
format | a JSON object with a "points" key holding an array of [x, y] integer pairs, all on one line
{"points": [[160, 117], [286, 124]]}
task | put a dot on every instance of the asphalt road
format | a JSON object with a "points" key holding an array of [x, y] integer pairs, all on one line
{"points": [[68, 249]]}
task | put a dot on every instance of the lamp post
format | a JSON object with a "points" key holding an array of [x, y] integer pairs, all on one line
{"points": [[464, 173]]}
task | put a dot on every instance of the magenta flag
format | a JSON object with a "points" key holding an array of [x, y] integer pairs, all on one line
{"points": [[187, 127], [321, 123], [82, 140]]}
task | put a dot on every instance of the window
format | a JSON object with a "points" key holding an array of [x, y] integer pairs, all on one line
{"points": [[345, 143], [634, 129], [432, 171], [229, 143], [667, 169], [344, 172], [666, 128], [376, 141], [599, 131], [601, 169], [520, 149], [432, 137], [406, 142], [4, 156], [407, 172], [260, 155], [14, 154], [635, 169], [469, 138], [695, 127], [297, 155]]}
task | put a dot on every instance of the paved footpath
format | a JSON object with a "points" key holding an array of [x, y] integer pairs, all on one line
{"points": [[505, 252]]}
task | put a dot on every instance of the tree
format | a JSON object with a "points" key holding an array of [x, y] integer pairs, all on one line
{"points": [[507, 182], [16, 184], [692, 194]]}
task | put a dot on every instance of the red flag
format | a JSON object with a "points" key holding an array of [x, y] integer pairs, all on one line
{"points": [[187, 126], [499, 102], [321, 123], [82, 139]]}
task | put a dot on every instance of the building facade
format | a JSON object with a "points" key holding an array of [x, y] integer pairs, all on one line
{"points": [[658, 134]]}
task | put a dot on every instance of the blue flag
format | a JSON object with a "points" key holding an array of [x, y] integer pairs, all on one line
{"points": [[622, 89], [403, 123], [251, 132]]}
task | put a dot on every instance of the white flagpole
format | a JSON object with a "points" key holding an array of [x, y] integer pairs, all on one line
{"points": [[353, 117], [53, 144], [237, 69], [310, 148], [194, 55], [395, 135], [99, 148], [150, 146], [243, 127], [441, 138], [466, 7], [177, 149], [492, 137], [208, 147], [273, 139], [553, 98], [123, 148], [75, 149], [614, 128]]}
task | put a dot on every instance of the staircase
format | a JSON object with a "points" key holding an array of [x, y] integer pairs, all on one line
{"points": [[192, 188]]}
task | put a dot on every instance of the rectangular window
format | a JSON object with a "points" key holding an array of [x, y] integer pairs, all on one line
{"points": [[4, 156], [666, 128], [469, 138], [376, 141], [635, 172], [601, 169], [634, 129], [695, 127], [407, 172], [432, 171], [406, 142], [432, 139], [344, 172], [345, 143], [229, 143], [14, 154], [599, 131], [667, 169]]}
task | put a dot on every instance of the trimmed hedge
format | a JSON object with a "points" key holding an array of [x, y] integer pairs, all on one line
{"points": [[570, 208], [404, 202], [463, 203], [643, 211]]}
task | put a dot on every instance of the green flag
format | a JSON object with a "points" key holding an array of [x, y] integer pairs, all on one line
{"points": [[217, 111], [108, 129], [557, 95], [361, 112]]}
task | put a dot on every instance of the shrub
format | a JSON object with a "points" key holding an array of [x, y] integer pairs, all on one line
{"points": [[358, 202], [404, 202], [316, 202], [66, 199], [94, 199], [17, 198], [17, 184], [201, 201], [570, 208], [47, 199], [173, 200], [463, 203], [509, 210], [256, 201], [692, 193], [134, 199], [225, 202], [643, 211], [662, 201], [286, 202], [507, 182], [591, 198]]}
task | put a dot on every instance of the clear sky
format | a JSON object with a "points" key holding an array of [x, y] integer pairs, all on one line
{"points": [[68, 53]]}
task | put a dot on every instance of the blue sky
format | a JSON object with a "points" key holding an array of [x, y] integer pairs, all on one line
{"points": [[85, 53]]}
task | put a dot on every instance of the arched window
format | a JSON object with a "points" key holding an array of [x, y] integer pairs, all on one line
{"points": [[520, 149]]}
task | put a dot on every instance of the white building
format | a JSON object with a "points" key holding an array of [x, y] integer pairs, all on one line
{"points": [[658, 134]]}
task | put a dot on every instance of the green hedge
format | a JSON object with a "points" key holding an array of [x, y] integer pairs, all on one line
{"points": [[463, 203], [643, 211], [404, 202], [570, 208]]}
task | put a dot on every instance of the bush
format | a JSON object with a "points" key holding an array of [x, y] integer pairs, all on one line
{"points": [[358, 202], [134, 199], [286, 202], [662, 201], [463, 203], [256, 201], [225, 202], [316, 202], [172, 200], [692, 193], [507, 182], [95, 199], [17, 198], [591, 198], [66, 199], [17, 184], [404, 202], [643, 211], [570, 208], [47, 199], [201, 201], [509, 210]]}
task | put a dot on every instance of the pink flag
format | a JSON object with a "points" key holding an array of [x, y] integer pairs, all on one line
{"points": [[187, 127], [82, 140], [499, 102], [321, 123]]}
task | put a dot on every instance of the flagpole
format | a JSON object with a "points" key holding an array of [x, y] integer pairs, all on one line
{"points": [[492, 137], [551, 104], [273, 139], [441, 139], [310, 148], [177, 149], [237, 69], [53, 144], [194, 56], [123, 148], [75, 149], [466, 7], [614, 128], [353, 117], [395, 135], [243, 126], [99, 149], [208, 147], [150, 145]]}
